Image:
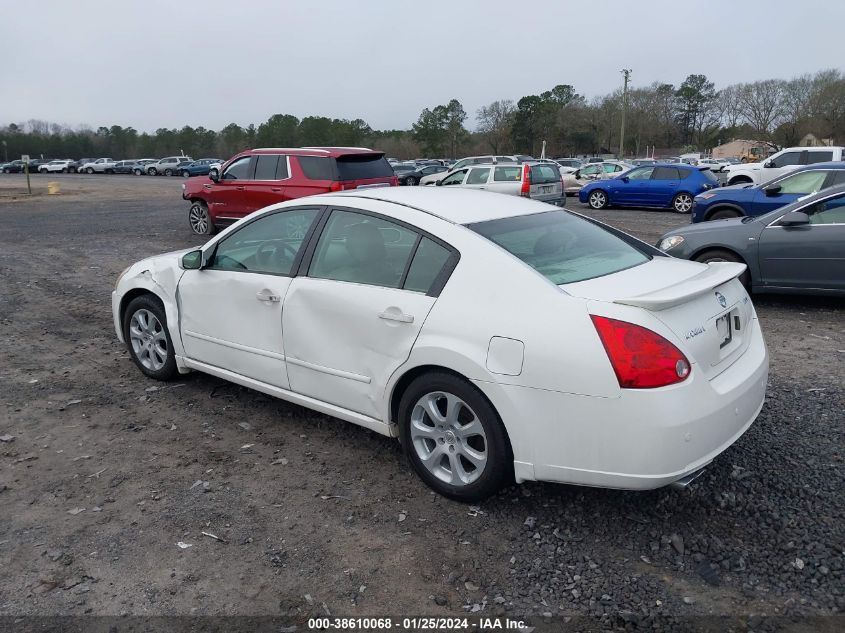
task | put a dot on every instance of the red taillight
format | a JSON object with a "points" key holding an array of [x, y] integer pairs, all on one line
{"points": [[335, 186], [526, 181], [642, 359], [394, 181]]}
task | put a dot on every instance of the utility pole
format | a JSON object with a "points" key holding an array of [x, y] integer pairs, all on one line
{"points": [[627, 73]]}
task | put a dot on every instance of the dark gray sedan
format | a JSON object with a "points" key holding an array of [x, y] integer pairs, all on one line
{"points": [[799, 248]]}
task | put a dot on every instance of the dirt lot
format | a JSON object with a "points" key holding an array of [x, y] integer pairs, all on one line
{"points": [[103, 472]]}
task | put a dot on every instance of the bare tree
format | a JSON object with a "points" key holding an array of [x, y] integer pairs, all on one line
{"points": [[495, 122], [762, 104]]}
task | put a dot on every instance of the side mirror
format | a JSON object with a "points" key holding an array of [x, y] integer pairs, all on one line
{"points": [[214, 174], [795, 218], [625, 179], [772, 190], [192, 260], [769, 163], [577, 174], [439, 183]]}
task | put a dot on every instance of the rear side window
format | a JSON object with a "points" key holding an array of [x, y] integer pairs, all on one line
{"points": [[478, 176], [665, 173], [708, 175], [282, 168], [317, 167], [363, 167], [265, 167], [507, 174], [544, 174], [426, 266], [819, 157], [561, 247]]}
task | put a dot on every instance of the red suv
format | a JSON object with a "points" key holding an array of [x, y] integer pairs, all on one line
{"points": [[257, 178]]}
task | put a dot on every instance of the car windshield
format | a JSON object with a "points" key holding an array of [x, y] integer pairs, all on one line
{"points": [[562, 247]]}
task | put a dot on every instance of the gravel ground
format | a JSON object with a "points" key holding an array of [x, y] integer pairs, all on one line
{"points": [[103, 473]]}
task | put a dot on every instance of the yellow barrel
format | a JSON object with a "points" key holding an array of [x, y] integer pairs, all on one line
{"points": [[53, 188]]}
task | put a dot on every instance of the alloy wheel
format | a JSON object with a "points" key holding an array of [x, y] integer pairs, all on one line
{"points": [[448, 438], [198, 217], [148, 340], [598, 199], [683, 203]]}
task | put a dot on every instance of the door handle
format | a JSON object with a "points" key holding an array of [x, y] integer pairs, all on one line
{"points": [[276, 189], [266, 295], [239, 188], [396, 315]]}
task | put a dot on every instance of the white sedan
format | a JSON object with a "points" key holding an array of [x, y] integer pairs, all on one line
{"points": [[498, 338]]}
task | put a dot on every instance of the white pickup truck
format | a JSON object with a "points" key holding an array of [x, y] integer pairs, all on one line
{"points": [[780, 163]]}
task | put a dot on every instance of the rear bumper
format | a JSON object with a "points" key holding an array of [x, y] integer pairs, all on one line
{"points": [[643, 439]]}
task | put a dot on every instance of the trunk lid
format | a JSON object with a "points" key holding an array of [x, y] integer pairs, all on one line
{"points": [[704, 306]]}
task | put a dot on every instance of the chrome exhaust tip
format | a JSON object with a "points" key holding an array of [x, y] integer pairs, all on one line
{"points": [[685, 481]]}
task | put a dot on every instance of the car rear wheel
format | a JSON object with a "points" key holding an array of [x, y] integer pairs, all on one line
{"points": [[411, 182], [682, 203], [597, 199], [5, 170], [147, 338], [137, 172], [724, 214], [168, 172], [199, 219], [454, 438], [64, 170], [721, 255]]}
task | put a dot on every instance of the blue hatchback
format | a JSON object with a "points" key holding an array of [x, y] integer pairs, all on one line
{"points": [[663, 186], [736, 201]]}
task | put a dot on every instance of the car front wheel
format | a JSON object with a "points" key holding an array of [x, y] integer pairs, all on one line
{"points": [[89, 171], [454, 438], [682, 203], [147, 338], [168, 172], [137, 172], [199, 219], [721, 255], [186, 174], [152, 171], [724, 214], [597, 199]]}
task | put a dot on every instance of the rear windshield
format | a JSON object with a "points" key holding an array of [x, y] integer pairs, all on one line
{"points": [[363, 167], [709, 175], [544, 174], [560, 246]]}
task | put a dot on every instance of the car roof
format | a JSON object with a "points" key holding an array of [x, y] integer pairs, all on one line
{"points": [[331, 152], [458, 206], [834, 164]]}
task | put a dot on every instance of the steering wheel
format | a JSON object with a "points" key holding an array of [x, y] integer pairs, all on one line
{"points": [[264, 253]]}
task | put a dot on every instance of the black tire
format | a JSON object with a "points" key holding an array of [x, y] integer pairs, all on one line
{"points": [[89, 171], [64, 170], [152, 171], [168, 172], [186, 174], [722, 255], [597, 199], [110, 171], [151, 304], [6, 171], [724, 214], [498, 468], [412, 182], [199, 220], [137, 171]]}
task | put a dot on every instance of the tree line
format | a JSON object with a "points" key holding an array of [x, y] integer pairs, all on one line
{"points": [[691, 116]]}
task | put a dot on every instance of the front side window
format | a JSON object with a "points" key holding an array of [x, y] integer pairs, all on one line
{"points": [[239, 170], [643, 173], [363, 249], [805, 182], [454, 179], [478, 176], [561, 247], [789, 158], [268, 245], [830, 211]]}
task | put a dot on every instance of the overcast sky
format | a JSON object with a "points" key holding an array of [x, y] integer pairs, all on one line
{"points": [[152, 63]]}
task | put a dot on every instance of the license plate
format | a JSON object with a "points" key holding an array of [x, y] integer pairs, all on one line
{"points": [[545, 189], [723, 329]]}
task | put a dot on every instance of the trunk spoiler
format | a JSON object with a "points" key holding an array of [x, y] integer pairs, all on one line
{"points": [[714, 275]]}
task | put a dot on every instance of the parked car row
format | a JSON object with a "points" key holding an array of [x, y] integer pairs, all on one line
{"points": [[169, 166]]}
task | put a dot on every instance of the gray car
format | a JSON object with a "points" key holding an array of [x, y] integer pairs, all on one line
{"points": [[799, 248]]}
